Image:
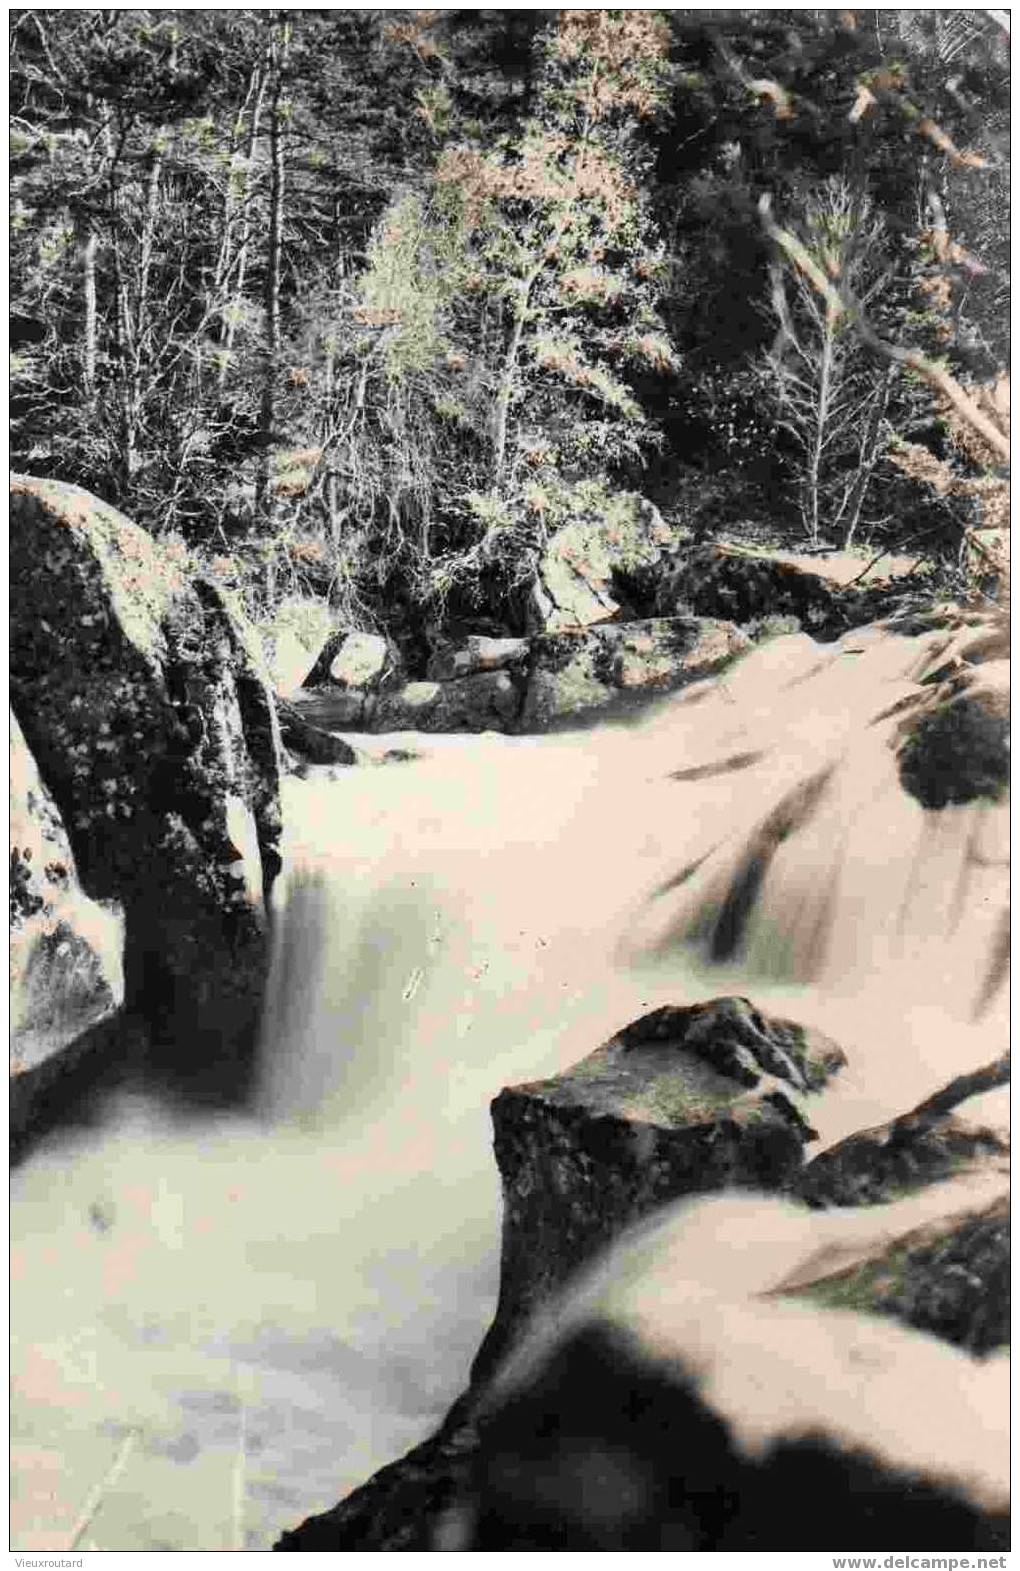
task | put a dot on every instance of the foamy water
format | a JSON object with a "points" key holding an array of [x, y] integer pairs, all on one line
{"points": [[233, 1325]]}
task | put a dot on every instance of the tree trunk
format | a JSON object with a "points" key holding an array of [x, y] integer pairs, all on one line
{"points": [[826, 379], [868, 457], [274, 255], [90, 345], [122, 334], [232, 306]]}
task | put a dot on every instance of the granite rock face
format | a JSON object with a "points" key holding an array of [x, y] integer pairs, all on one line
{"points": [[66, 973], [144, 703]]}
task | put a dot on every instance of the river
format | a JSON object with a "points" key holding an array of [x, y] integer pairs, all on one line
{"points": [[219, 1327]]}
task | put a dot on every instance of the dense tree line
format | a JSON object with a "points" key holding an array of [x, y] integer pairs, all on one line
{"points": [[366, 304]]}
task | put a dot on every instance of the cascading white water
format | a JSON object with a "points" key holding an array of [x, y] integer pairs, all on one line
{"points": [[220, 1329]]}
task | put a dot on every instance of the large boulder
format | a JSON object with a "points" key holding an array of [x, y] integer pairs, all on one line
{"points": [[605, 669], [292, 640], [684, 1101], [65, 949], [728, 1374], [747, 586], [143, 701], [589, 558], [357, 663], [707, 1386]]}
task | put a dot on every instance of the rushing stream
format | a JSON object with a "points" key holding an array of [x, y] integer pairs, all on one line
{"points": [[220, 1328]]}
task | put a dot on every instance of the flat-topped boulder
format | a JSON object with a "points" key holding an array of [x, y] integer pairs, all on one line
{"points": [[687, 1100]]}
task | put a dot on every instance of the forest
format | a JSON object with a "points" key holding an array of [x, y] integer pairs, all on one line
{"points": [[357, 308], [510, 773]]}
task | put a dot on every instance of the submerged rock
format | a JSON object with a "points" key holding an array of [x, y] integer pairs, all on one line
{"points": [[145, 707], [601, 670]]}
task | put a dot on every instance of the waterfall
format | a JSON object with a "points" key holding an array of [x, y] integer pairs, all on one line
{"points": [[274, 1305]]}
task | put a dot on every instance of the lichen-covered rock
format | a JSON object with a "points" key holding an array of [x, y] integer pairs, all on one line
{"points": [[65, 949], [603, 669], [359, 663], [742, 586], [587, 558], [292, 640], [477, 654], [143, 701], [489, 701], [684, 1101], [756, 587]]}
